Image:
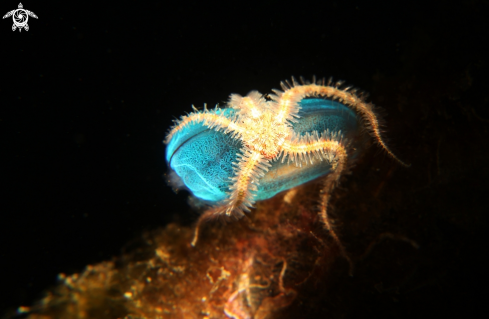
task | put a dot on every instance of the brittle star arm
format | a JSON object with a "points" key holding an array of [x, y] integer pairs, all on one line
{"points": [[329, 183], [332, 150], [287, 102], [208, 118], [250, 166]]}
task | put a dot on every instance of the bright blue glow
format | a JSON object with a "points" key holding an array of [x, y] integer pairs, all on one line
{"points": [[202, 157]]}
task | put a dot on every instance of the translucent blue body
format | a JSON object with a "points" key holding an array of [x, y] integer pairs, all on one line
{"points": [[202, 157]]}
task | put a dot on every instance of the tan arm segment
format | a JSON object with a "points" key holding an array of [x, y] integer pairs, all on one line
{"points": [[209, 119], [287, 106], [303, 149], [328, 148]]}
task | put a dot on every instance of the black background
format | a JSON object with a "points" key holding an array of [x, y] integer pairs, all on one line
{"points": [[88, 93]]}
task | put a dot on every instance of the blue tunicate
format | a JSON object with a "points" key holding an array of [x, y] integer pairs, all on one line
{"points": [[203, 157]]}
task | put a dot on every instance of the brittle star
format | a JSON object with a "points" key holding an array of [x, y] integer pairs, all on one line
{"points": [[265, 129]]}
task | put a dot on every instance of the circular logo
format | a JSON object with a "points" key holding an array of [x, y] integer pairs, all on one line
{"points": [[20, 17]]}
